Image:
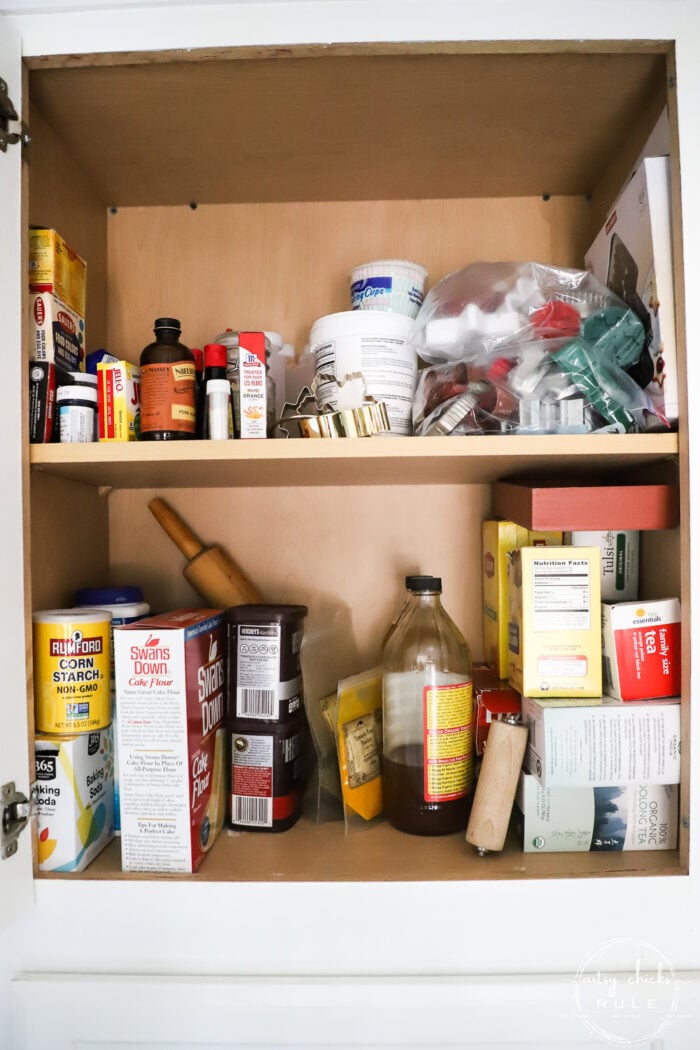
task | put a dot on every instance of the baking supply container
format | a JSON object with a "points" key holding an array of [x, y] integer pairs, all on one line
{"points": [[396, 285], [370, 345], [72, 655]]}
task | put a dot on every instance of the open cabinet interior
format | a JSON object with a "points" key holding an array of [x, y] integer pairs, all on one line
{"points": [[238, 189]]}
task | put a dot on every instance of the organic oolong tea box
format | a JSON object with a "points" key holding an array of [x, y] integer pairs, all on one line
{"points": [[170, 690]]}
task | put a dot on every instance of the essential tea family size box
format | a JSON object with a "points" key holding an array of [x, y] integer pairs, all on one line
{"points": [[75, 798], [619, 561], [57, 281], [596, 819], [642, 649], [498, 538], [578, 743], [554, 621], [170, 689], [633, 256]]}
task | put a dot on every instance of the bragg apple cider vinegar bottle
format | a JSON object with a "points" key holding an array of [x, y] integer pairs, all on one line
{"points": [[427, 716]]}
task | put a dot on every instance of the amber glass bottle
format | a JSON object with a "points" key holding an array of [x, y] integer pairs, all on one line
{"points": [[167, 385], [427, 716]]}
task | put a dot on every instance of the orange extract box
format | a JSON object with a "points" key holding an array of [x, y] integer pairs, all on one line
{"points": [[642, 649], [566, 505], [170, 689]]}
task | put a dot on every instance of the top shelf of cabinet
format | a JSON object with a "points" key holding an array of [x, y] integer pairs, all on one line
{"points": [[372, 461]]}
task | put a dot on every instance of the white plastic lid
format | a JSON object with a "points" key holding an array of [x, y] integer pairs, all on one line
{"points": [[74, 615], [275, 339], [77, 392], [390, 268], [83, 379], [360, 322]]}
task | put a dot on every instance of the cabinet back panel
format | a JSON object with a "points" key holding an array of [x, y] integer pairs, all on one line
{"points": [[281, 266], [342, 552]]}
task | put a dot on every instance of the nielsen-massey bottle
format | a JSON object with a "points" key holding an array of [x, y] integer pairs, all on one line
{"points": [[427, 717], [167, 385]]}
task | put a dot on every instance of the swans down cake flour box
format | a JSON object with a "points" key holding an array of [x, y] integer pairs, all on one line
{"points": [[75, 798], [170, 689]]}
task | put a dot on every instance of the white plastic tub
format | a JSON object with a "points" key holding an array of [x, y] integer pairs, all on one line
{"points": [[393, 285]]}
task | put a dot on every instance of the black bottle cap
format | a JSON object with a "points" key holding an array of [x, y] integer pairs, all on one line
{"points": [[423, 583], [167, 322]]}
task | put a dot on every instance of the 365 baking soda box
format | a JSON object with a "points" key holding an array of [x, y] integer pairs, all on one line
{"points": [[170, 689], [642, 649]]}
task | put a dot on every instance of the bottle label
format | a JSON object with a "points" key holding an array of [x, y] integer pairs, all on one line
{"points": [[167, 397], [448, 730]]}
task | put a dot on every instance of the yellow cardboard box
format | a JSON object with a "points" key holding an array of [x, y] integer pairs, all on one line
{"points": [[498, 538], [554, 621]]}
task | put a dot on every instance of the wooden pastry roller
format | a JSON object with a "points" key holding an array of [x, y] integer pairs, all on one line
{"points": [[496, 786], [214, 575]]}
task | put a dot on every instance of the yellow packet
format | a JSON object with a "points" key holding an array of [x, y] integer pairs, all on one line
{"points": [[359, 741]]}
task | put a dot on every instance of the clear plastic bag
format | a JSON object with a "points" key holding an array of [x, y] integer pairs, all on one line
{"points": [[527, 348]]}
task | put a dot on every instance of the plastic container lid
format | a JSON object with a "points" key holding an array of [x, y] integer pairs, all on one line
{"points": [[81, 379], [167, 322], [390, 267], [215, 355], [91, 615], [77, 393], [108, 596], [361, 322]]}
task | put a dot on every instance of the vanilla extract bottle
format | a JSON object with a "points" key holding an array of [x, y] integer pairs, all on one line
{"points": [[427, 717], [167, 385]]}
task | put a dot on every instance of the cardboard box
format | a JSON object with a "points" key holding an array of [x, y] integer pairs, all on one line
{"points": [[619, 561], [494, 700], [498, 538], [118, 386], [57, 281], [600, 742], [170, 690], [554, 621], [252, 380], [568, 505], [596, 819], [44, 380], [642, 649], [633, 256], [75, 804]]}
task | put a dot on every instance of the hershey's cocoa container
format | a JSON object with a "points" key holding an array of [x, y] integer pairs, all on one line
{"points": [[264, 666], [268, 731]]}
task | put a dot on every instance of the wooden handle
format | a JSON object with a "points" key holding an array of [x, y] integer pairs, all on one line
{"points": [[182, 536], [220, 581], [496, 786]]}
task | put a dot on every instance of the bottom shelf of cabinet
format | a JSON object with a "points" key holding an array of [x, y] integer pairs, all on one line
{"points": [[311, 852]]}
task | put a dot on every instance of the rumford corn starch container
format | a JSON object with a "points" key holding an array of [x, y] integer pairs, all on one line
{"points": [[72, 656], [268, 729]]}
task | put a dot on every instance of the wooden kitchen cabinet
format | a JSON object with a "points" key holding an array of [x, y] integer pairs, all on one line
{"points": [[238, 187]]}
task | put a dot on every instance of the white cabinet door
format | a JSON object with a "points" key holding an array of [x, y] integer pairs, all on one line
{"points": [[506, 1013], [15, 872]]}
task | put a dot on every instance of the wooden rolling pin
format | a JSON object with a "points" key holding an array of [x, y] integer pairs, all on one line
{"points": [[214, 575], [496, 786]]}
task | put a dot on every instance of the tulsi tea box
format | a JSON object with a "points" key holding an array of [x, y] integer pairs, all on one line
{"points": [[642, 649], [597, 819], [619, 561], [170, 689], [498, 538], [579, 743], [554, 621]]}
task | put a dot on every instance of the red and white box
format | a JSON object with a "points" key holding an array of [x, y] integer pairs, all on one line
{"points": [[170, 690], [494, 701], [118, 387], [642, 649]]}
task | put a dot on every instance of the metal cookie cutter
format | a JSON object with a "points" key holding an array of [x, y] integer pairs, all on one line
{"points": [[366, 420]]}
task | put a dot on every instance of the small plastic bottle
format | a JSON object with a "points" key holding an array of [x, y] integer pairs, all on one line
{"points": [[214, 368], [427, 713], [77, 413], [219, 416], [167, 385]]}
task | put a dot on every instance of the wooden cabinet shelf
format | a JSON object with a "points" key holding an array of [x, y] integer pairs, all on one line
{"points": [[373, 461]]}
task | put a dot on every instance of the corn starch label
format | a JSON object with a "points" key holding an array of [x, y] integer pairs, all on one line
{"points": [[72, 670]]}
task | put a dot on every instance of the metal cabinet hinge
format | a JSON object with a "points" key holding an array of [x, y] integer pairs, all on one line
{"points": [[17, 810], [12, 129]]}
